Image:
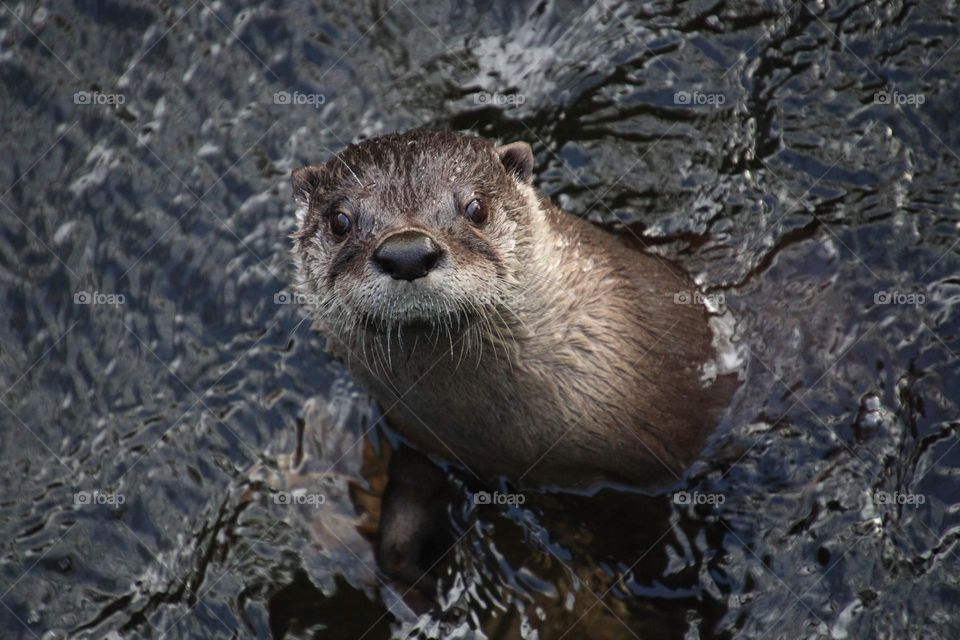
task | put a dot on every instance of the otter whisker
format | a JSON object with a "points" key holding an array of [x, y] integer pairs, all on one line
{"points": [[337, 157]]}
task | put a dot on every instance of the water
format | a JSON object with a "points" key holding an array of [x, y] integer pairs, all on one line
{"points": [[799, 160]]}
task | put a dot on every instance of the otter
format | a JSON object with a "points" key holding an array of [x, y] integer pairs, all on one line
{"points": [[497, 332]]}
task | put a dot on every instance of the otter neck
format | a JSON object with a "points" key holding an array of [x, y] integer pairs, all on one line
{"points": [[552, 286]]}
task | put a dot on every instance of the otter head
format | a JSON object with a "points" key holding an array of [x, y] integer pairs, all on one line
{"points": [[418, 231]]}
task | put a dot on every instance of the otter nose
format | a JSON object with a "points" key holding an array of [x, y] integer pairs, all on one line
{"points": [[407, 255]]}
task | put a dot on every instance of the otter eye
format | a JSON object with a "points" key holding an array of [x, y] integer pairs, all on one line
{"points": [[475, 212], [340, 224]]}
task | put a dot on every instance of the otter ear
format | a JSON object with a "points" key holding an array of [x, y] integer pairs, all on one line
{"points": [[517, 159], [305, 181]]}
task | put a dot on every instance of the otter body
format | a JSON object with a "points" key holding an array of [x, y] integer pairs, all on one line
{"points": [[497, 331], [587, 377]]}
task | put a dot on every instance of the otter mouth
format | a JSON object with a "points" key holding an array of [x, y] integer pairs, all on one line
{"points": [[416, 323], [412, 308]]}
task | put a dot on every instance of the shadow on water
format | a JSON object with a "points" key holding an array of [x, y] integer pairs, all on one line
{"points": [[181, 459]]}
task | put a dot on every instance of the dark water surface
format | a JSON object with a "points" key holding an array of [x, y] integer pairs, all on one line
{"points": [[799, 159]]}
